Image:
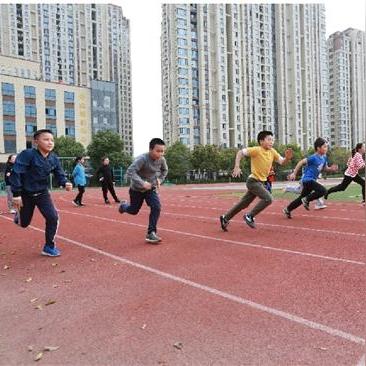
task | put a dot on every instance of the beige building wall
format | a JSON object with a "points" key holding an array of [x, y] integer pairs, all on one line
{"points": [[82, 108]]}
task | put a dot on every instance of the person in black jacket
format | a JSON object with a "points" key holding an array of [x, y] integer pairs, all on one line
{"points": [[105, 176], [8, 169]]}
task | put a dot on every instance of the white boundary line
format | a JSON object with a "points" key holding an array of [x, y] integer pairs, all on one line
{"points": [[237, 299], [245, 244]]}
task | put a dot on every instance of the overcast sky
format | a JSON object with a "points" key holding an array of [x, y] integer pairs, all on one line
{"points": [[145, 21]]}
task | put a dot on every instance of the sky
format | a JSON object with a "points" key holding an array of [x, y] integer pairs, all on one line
{"points": [[145, 26]]}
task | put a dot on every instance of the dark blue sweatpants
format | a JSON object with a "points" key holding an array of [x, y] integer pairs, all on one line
{"points": [[152, 200], [45, 205]]}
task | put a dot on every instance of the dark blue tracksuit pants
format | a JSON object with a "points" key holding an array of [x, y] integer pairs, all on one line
{"points": [[45, 205], [152, 200]]}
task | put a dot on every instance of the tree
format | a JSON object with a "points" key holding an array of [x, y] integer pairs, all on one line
{"points": [[205, 157], [66, 146], [178, 157], [339, 156], [108, 143]]}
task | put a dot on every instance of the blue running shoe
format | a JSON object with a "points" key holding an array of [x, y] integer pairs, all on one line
{"points": [[51, 251], [122, 206]]}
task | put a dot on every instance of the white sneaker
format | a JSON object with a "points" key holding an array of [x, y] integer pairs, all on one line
{"points": [[316, 207], [13, 211]]}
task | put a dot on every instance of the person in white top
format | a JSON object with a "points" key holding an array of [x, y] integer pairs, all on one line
{"points": [[354, 164]]}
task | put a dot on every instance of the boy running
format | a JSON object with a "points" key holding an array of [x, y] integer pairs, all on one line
{"points": [[146, 174], [262, 158], [29, 184], [315, 164]]}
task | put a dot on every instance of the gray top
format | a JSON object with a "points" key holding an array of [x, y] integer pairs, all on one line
{"points": [[145, 169]]}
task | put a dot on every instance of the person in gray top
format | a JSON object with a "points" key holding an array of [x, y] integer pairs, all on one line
{"points": [[146, 174]]}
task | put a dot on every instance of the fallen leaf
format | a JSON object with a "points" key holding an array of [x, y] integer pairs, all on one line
{"points": [[6, 267], [34, 300], [30, 348], [39, 355], [51, 348], [29, 279], [39, 307], [178, 345], [50, 302]]}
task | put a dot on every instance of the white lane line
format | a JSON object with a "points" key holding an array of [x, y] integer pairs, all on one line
{"points": [[251, 245], [237, 221], [362, 361], [279, 313]]}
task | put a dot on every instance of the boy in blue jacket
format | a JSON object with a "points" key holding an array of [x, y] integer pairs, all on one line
{"points": [[78, 175], [29, 184]]}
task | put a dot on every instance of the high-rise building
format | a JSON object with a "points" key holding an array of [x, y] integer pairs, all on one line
{"points": [[347, 52], [75, 44], [230, 71]]}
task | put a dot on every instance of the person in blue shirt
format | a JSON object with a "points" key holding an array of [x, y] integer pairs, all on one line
{"points": [[29, 183], [79, 177], [314, 165]]}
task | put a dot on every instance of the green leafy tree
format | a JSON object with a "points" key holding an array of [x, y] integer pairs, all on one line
{"points": [[108, 143], [339, 156], [205, 157], [66, 146], [178, 157], [282, 171]]}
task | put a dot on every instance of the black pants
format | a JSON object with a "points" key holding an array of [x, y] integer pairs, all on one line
{"points": [[152, 200], [312, 190], [45, 205], [79, 197], [108, 186], [346, 182]]}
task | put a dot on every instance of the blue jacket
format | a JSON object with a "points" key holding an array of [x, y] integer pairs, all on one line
{"points": [[31, 172], [79, 175]]}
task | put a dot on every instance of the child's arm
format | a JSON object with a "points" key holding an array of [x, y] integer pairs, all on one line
{"points": [[163, 172], [239, 155], [61, 176], [132, 174], [288, 157], [302, 162], [331, 169]]}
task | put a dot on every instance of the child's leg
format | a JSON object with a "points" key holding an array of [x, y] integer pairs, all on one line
{"points": [[105, 191], [153, 201], [112, 191], [358, 179], [258, 189], [340, 187], [297, 202], [79, 196], [48, 211], [244, 202], [136, 201], [9, 197], [26, 212], [317, 191]]}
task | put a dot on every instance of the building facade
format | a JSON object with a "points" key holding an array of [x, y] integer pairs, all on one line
{"points": [[74, 44], [230, 71], [347, 52], [29, 104]]}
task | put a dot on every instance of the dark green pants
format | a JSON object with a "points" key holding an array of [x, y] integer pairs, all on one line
{"points": [[255, 189]]}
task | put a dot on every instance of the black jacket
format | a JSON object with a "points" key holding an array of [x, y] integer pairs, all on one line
{"points": [[106, 172], [8, 169]]}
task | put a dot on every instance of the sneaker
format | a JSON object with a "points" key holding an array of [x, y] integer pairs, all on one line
{"points": [[51, 251], [117, 201], [75, 203], [17, 218], [249, 219], [81, 204], [107, 202], [287, 213], [224, 222], [13, 211], [121, 208], [305, 203], [152, 238], [363, 203], [319, 207]]}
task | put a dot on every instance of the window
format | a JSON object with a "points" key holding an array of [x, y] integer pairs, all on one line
{"points": [[8, 108], [182, 71], [30, 129], [10, 146], [69, 114], [183, 110], [7, 89], [9, 128], [181, 12], [50, 94], [181, 32], [182, 42], [107, 102], [53, 128], [29, 92], [182, 52], [182, 61], [70, 131], [50, 112], [69, 97], [30, 110], [182, 81], [183, 100]]}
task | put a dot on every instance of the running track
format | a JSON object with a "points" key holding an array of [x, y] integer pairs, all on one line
{"points": [[291, 292]]}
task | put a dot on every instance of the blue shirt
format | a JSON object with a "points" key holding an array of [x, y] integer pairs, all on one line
{"points": [[31, 172], [79, 175], [315, 164]]}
